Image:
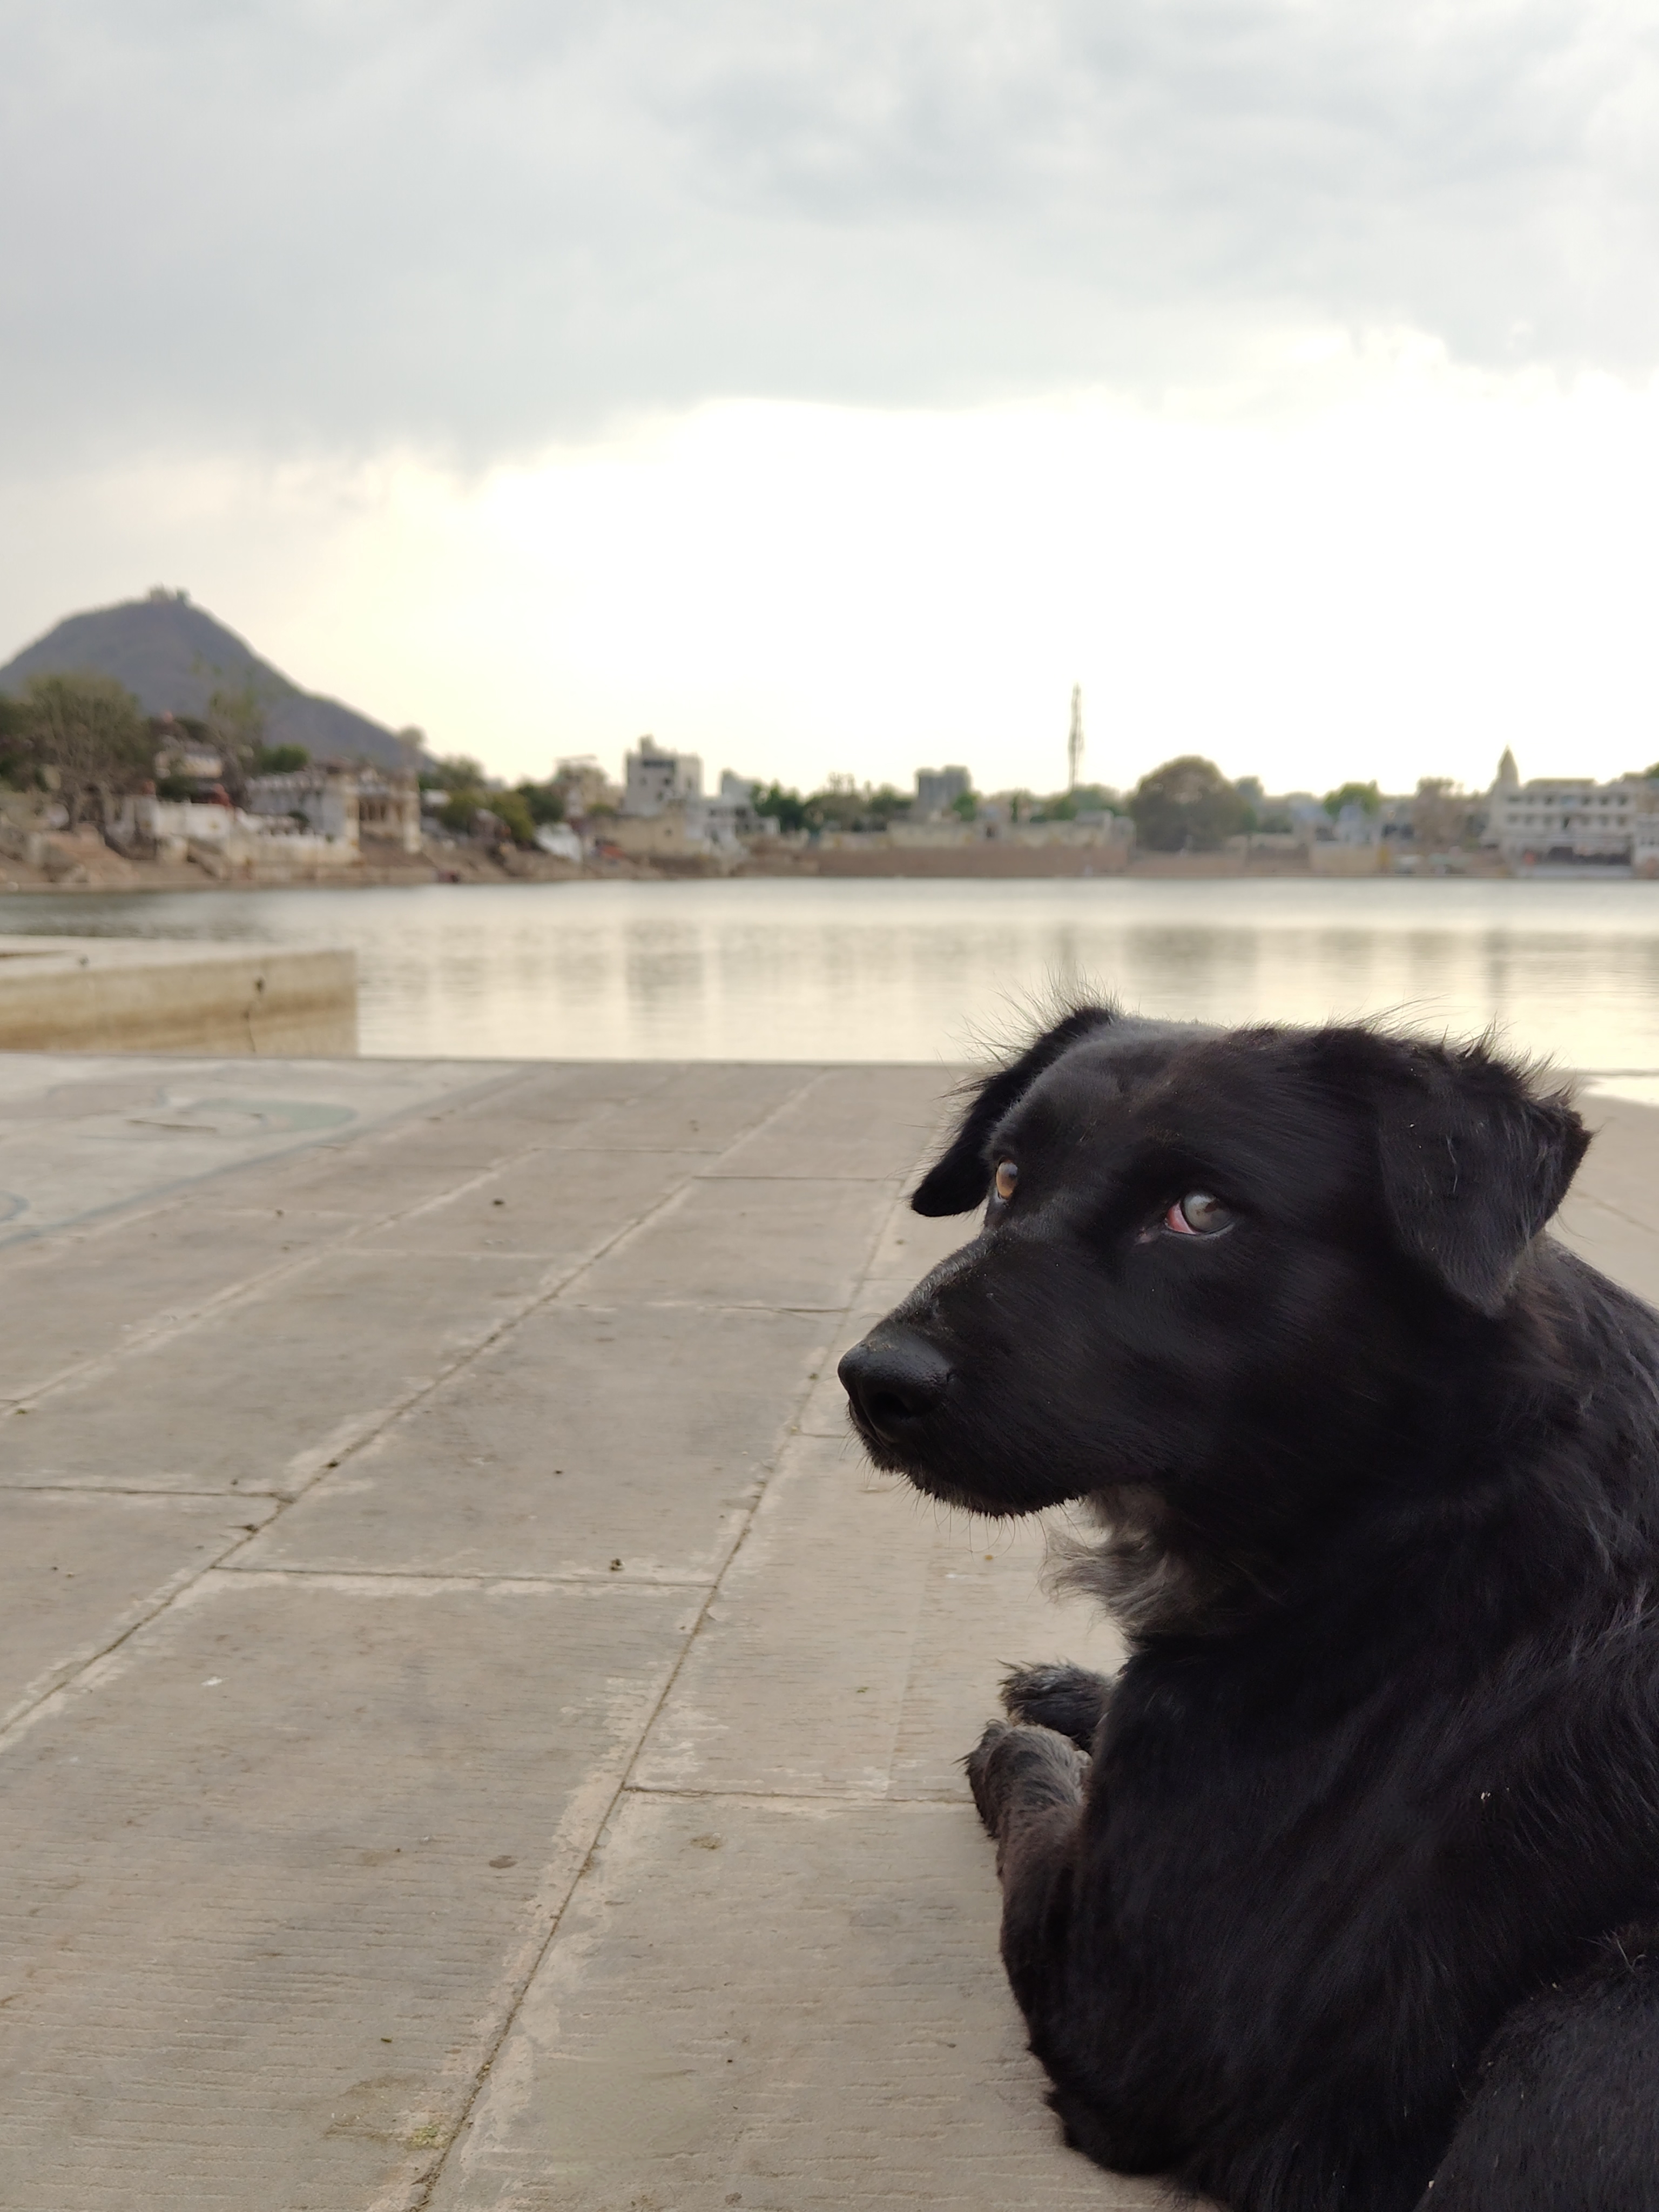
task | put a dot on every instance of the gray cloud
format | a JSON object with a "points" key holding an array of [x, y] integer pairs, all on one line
{"points": [[485, 222]]}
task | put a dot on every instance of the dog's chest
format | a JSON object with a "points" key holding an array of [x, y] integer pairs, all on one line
{"points": [[1244, 1860]]}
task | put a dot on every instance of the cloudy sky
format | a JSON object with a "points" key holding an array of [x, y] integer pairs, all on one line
{"points": [[831, 386]]}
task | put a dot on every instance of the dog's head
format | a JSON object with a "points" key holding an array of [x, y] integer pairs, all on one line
{"points": [[1206, 1250]]}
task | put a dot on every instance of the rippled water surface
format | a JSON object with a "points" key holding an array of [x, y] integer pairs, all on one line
{"points": [[897, 971]]}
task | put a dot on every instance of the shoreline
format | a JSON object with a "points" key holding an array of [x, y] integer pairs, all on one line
{"points": [[128, 878]]}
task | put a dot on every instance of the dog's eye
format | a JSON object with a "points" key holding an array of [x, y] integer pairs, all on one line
{"points": [[1198, 1214], [1008, 1180]]}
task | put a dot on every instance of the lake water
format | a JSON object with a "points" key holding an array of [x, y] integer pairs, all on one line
{"points": [[770, 970]]}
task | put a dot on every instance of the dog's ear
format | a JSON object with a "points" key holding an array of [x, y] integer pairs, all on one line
{"points": [[1474, 1162], [958, 1182]]}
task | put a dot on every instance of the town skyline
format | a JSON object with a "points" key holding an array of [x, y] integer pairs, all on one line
{"points": [[771, 759]]}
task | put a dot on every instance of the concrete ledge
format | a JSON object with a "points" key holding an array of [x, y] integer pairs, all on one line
{"points": [[121, 994]]}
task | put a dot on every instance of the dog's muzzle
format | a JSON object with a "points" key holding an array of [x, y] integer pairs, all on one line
{"points": [[895, 1379]]}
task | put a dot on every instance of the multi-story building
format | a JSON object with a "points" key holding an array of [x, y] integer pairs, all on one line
{"points": [[666, 816], [1565, 820], [938, 789], [655, 780]]}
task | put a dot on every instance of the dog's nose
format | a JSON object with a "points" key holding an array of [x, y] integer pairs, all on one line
{"points": [[894, 1378]]}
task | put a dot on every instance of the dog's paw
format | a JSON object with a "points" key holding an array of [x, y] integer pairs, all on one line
{"points": [[1068, 1700], [1014, 1769], [987, 1794]]}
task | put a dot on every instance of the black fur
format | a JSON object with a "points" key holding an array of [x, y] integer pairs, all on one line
{"points": [[958, 1183], [1347, 1910]]}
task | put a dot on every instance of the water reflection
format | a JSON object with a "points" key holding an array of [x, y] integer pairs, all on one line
{"points": [[773, 970]]}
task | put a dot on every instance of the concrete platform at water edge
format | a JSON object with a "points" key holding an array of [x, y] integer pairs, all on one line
{"points": [[156, 994], [479, 1735]]}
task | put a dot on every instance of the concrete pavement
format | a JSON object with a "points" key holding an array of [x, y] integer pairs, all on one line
{"points": [[478, 1735]]}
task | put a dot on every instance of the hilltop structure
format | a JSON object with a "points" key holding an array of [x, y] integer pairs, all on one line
{"points": [[174, 657]]}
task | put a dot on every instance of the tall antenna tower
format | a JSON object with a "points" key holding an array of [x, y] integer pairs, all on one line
{"points": [[1075, 742]]}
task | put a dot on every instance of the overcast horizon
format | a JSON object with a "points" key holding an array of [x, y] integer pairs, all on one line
{"points": [[830, 390]]}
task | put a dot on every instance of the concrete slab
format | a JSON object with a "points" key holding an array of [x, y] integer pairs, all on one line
{"points": [[784, 2006], [738, 1240], [850, 1121], [1619, 1169], [584, 1436], [101, 1290], [618, 1107], [553, 1089], [705, 1106], [856, 1641], [258, 1396], [912, 1244], [276, 1874], [79, 1570], [407, 1167], [983, 1609], [80, 1137], [561, 1205]]}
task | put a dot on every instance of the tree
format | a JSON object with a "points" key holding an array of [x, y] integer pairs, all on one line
{"points": [[545, 800], [841, 804], [455, 772], [459, 809], [17, 765], [510, 809], [786, 808], [280, 760], [1066, 805], [87, 730], [882, 804], [965, 806], [1440, 814], [1366, 796], [472, 811], [1187, 804]]}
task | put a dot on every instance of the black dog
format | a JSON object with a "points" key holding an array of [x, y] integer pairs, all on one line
{"points": [[1354, 1901]]}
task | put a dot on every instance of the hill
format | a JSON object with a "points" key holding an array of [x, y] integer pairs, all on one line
{"points": [[173, 657]]}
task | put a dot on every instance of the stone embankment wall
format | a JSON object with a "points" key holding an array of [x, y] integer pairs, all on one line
{"points": [[69, 994]]}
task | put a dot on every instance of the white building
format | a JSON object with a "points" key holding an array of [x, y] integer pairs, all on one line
{"points": [[227, 841], [1562, 820], [351, 803], [664, 789], [655, 779]]}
